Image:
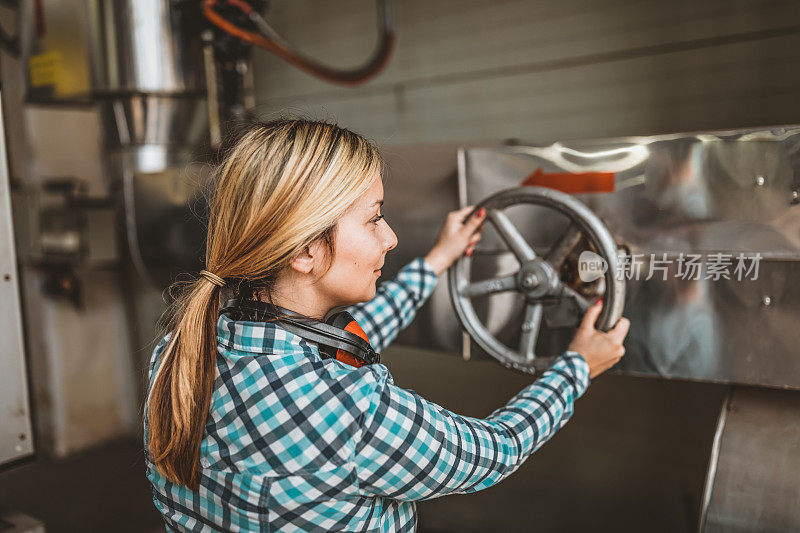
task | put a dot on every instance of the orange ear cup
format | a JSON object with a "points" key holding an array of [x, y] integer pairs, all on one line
{"points": [[347, 357]]}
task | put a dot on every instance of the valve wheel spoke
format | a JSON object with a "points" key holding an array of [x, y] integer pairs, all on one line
{"points": [[512, 237], [569, 292], [490, 286], [568, 240], [530, 331]]}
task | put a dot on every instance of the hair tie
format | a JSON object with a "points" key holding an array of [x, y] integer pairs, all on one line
{"points": [[213, 278]]}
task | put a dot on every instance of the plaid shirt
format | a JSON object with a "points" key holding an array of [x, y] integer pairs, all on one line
{"points": [[294, 442]]}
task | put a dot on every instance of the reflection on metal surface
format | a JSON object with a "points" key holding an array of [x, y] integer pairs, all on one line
{"points": [[143, 46], [722, 192], [148, 119], [696, 193], [147, 72]]}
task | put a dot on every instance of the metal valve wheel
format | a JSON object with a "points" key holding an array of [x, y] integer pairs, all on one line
{"points": [[538, 278]]}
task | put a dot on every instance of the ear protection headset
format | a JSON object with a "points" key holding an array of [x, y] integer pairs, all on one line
{"points": [[339, 337]]}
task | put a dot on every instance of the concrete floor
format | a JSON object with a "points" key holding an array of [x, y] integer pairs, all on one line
{"points": [[633, 458], [102, 489]]}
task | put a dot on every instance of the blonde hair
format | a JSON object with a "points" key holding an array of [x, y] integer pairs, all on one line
{"points": [[283, 185]]}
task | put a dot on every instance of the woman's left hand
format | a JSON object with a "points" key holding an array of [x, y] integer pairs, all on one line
{"points": [[455, 238]]}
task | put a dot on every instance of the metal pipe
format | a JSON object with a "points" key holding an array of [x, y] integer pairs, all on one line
{"points": [[272, 41]]}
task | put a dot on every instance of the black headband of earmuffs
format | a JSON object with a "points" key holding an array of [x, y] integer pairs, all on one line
{"points": [[330, 334]]}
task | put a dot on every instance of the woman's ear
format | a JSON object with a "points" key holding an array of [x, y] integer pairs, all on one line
{"points": [[311, 257], [303, 262]]}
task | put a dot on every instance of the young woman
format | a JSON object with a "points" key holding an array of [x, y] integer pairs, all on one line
{"points": [[249, 428]]}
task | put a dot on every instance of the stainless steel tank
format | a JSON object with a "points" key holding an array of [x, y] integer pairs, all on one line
{"points": [[140, 63], [148, 76]]}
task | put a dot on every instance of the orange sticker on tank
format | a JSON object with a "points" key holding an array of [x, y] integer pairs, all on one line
{"points": [[572, 182]]}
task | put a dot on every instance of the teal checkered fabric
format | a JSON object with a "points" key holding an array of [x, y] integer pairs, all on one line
{"points": [[294, 442]]}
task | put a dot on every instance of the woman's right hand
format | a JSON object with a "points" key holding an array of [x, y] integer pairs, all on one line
{"points": [[456, 237], [599, 349]]}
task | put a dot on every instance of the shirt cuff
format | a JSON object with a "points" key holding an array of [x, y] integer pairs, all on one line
{"points": [[427, 266], [429, 277], [574, 367]]}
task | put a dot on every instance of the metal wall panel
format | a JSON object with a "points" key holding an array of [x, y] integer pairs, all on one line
{"points": [[450, 41], [16, 437], [539, 70]]}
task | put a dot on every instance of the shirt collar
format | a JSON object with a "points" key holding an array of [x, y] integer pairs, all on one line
{"points": [[260, 337]]}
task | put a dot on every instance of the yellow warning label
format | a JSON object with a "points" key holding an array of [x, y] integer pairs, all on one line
{"points": [[45, 69]]}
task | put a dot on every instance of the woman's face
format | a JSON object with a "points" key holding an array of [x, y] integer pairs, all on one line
{"points": [[361, 240]]}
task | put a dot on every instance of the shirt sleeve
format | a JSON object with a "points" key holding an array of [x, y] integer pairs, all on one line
{"points": [[412, 449], [395, 303]]}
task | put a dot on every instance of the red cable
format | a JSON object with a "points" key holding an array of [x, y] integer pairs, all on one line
{"points": [[242, 5], [38, 12], [256, 39]]}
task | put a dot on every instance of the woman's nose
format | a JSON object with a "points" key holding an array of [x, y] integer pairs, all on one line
{"points": [[391, 239]]}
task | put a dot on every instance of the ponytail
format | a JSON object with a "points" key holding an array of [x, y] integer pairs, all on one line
{"points": [[180, 395]]}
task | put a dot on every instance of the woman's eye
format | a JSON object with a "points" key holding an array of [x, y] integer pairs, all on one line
{"points": [[377, 219]]}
